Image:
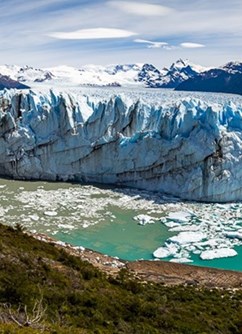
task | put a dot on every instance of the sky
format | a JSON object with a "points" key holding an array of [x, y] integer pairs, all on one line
{"points": [[45, 33]]}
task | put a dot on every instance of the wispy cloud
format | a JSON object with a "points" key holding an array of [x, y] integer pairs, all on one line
{"points": [[50, 32], [94, 33], [189, 45], [152, 45], [167, 46], [140, 8]]}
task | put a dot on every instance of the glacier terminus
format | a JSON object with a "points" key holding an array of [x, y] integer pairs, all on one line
{"points": [[183, 145]]}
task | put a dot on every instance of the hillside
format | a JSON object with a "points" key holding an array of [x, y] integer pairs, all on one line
{"points": [[60, 293]]}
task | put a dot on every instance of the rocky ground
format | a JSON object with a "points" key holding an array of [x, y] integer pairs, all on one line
{"points": [[163, 272]]}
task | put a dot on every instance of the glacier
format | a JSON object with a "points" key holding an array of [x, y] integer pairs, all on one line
{"points": [[186, 147]]}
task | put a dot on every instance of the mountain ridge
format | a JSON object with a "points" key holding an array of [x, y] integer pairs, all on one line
{"points": [[224, 79], [181, 75], [139, 74]]}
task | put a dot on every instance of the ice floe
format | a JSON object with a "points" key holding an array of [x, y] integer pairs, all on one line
{"points": [[180, 216], [50, 213], [184, 238], [209, 230], [200, 229], [217, 253], [236, 235], [144, 219]]}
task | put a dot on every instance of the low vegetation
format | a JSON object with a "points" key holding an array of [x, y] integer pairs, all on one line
{"points": [[43, 289]]}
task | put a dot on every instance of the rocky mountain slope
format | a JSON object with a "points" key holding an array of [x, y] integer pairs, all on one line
{"points": [[225, 79], [7, 82], [180, 71]]}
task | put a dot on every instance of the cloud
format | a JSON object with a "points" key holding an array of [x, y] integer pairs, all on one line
{"points": [[156, 45], [152, 45], [192, 45], [139, 8], [94, 33], [167, 46], [25, 26]]}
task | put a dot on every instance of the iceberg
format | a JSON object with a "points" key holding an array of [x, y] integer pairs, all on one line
{"points": [[163, 252], [179, 216], [144, 219], [187, 237], [217, 253], [234, 235], [186, 147]]}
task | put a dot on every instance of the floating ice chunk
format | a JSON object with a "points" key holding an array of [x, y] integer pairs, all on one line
{"points": [[168, 250], [2, 186], [161, 252], [233, 235], [217, 253], [67, 226], [144, 219], [34, 217], [223, 206], [171, 224], [50, 213], [181, 260], [187, 237], [180, 216], [211, 243], [183, 228]]}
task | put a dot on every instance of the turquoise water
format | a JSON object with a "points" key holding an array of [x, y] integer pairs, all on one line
{"points": [[130, 241], [123, 238], [229, 263], [102, 219]]}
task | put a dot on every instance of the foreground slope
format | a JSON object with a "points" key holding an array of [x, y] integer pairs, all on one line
{"points": [[187, 148], [71, 296]]}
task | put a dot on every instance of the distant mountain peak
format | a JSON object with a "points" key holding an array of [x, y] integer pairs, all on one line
{"points": [[180, 63]]}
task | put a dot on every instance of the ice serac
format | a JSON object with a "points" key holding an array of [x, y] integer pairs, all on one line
{"points": [[187, 148]]}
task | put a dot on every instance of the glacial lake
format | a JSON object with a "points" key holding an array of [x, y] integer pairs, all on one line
{"points": [[109, 220]]}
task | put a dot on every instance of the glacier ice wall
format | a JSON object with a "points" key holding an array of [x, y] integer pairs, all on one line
{"points": [[188, 148]]}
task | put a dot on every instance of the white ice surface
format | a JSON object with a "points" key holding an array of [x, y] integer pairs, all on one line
{"points": [[217, 253], [144, 219], [180, 216], [184, 238]]}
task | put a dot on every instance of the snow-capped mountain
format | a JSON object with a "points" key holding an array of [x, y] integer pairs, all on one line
{"points": [[180, 71], [233, 67], [143, 75], [224, 79], [151, 76], [26, 74]]}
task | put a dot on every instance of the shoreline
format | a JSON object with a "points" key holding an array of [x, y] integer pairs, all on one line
{"points": [[162, 272]]}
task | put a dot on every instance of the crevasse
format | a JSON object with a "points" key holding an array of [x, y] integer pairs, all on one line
{"points": [[188, 148]]}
